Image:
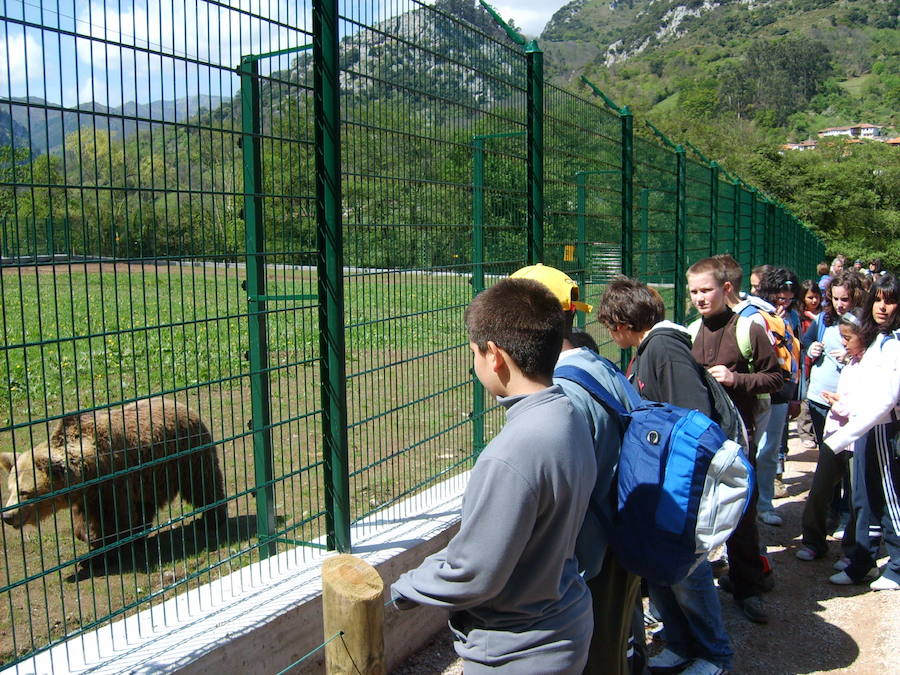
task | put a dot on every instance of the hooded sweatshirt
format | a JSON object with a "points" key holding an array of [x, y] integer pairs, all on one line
{"points": [[664, 369]]}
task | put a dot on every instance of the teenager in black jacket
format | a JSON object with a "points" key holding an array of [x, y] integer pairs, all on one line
{"points": [[664, 369]]}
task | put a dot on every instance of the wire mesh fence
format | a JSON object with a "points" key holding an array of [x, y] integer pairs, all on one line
{"points": [[236, 243]]}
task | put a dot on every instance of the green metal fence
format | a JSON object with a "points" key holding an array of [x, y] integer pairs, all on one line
{"points": [[274, 215]]}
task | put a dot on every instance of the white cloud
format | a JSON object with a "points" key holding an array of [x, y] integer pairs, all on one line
{"points": [[529, 15], [24, 58]]}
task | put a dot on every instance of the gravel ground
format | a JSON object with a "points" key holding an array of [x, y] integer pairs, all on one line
{"points": [[814, 626]]}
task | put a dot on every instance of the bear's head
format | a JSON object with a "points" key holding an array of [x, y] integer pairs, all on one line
{"points": [[32, 476]]}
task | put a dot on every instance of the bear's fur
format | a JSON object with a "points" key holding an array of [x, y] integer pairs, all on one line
{"points": [[128, 441]]}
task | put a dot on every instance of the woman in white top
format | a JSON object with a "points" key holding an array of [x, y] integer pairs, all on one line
{"points": [[873, 415]]}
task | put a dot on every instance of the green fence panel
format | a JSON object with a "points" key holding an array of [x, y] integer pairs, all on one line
{"points": [[437, 119], [725, 234], [583, 196], [655, 206], [699, 211], [251, 230]]}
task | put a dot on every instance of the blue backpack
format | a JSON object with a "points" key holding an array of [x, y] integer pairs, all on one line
{"points": [[682, 485]]}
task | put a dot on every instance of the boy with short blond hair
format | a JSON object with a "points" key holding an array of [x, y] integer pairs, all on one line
{"points": [[510, 577], [716, 349]]}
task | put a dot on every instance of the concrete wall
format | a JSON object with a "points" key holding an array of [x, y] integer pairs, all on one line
{"points": [[282, 641]]}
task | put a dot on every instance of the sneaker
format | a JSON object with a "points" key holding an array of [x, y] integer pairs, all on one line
{"points": [[754, 609], [844, 579], [770, 518], [703, 667], [841, 564], [666, 661], [780, 490], [651, 624], [882, 583], [808, 443], [806, 553]]}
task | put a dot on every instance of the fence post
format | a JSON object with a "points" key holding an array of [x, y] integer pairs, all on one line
{"points": [[755, 253], [326, 87], [581, 236], [353, 609], [713, 208], [627, 119], [477, 280], [535, 116], [255, 285], [736, 216], [680, 234]]}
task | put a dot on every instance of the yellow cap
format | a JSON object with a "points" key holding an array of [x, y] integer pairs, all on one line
{"points": [[559, 283]]}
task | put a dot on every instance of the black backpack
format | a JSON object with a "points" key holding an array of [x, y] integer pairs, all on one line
{"points": [[724, 412]]}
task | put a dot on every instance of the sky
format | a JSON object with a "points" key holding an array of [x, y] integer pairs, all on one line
{"points": [[73, 52], [530, 15]]}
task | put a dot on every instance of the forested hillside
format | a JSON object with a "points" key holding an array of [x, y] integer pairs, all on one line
{"points": [[736, 79], [739, 79]]}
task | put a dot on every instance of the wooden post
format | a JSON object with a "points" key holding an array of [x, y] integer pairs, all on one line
{"points": [[352, 604]]}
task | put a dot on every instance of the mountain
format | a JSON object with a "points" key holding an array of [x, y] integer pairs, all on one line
{"points": [[797, 65], [45, 125]]}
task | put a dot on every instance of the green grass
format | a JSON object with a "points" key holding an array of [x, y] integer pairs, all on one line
{"points": [[77, 338], [855, 85]]}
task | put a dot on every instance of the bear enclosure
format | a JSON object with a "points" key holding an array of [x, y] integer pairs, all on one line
{"points": [[274, 214]]}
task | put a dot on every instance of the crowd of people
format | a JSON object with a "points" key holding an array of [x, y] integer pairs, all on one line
{"points": [[530, 579]]}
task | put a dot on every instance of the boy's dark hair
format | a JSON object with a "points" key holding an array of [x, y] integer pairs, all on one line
{"points": [[523, 318], [630, 303], [712, 266], [855, 319], [733, 270], [849, 280], [580, 338], [886, 286], [822, 268], [773, 280]]}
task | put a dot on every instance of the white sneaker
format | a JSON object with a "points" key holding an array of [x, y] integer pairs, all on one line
{"points": [[805, 553], [702, 667], [841, 564], [844, 579], [770, 518], [882, 583], [666, 660]]}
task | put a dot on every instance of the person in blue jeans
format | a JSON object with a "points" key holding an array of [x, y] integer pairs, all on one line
{"points": [[777, 286], [664, 369]]}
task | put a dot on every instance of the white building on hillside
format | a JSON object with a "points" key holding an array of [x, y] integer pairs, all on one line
{"points": [[853, 131]]}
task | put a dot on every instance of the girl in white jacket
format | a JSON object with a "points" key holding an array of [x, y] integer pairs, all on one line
{"points": [[873, 415]]}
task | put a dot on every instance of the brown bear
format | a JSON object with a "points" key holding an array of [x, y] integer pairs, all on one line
{"points": [[115, 468]]}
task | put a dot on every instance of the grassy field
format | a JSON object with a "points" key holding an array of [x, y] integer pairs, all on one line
{"points": [[82, 337]]}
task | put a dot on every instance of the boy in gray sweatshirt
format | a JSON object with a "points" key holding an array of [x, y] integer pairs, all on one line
{"points": [[509, 577]]}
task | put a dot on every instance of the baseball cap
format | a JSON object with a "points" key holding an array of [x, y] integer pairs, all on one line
{"points": [[559, 283]]}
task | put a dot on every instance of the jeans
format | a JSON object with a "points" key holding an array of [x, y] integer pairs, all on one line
{"points": [[692, 617], [767, 455]]}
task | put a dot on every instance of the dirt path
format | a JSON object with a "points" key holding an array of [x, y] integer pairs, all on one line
{"points": [[814, 627]]}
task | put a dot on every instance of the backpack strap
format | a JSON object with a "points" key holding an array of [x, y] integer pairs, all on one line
{"points": [[748, 310], [742, 333], [598, 391]]}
